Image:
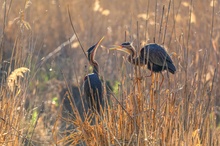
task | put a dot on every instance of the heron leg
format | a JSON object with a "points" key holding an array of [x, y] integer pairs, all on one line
{"points": [[151, 70], [162, 79], [137, 79], [168, 74], [141, 77]]}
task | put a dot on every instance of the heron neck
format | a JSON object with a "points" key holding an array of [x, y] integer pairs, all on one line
{"points": [[95, 67], [133, 59]]}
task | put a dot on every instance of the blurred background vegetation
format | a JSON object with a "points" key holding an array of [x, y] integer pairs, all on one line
{"points": [[49, 26], [31, 29]]}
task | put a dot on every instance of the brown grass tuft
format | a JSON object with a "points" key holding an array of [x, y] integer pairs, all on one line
{"points": [[12, 79]]}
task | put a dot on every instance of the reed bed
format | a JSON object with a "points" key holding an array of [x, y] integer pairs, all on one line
{"points": [[183, 111]]}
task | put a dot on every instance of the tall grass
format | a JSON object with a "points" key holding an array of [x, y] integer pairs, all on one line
{"points": [[184, 111], [146, 115]]}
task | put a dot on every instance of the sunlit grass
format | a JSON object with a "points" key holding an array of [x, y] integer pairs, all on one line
{"points": [[184, 111]]}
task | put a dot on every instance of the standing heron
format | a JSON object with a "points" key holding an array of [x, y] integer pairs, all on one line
{"points": [[92, 84], [153, 55]]}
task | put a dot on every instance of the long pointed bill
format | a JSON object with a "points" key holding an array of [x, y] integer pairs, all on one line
{"points": [[98, 43], [120, 48], [94, 48]]}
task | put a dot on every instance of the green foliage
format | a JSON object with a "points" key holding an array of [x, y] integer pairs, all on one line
{"points": [[90, 69], [115, 87], [55, 101], [34, 117]]}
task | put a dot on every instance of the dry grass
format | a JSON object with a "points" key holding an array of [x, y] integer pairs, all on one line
{"points": [[152, 117], [184, 111], [12, 79]]}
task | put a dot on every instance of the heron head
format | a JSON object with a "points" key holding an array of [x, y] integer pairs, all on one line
{"points": [[92, 50], [126, 47]]}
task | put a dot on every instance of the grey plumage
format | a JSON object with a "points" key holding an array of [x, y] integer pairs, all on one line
{"points": [[157, 56]]}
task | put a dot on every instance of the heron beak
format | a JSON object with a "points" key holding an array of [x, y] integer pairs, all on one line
{"points": [[98, 43], [120, 48], [92, 50]]}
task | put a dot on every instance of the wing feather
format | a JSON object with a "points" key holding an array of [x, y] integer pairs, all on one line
{"points": [[156, 54]]}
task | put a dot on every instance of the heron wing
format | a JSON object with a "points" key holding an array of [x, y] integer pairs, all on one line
{"points": [[94, 82], [155, 54], [93, 88]]}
